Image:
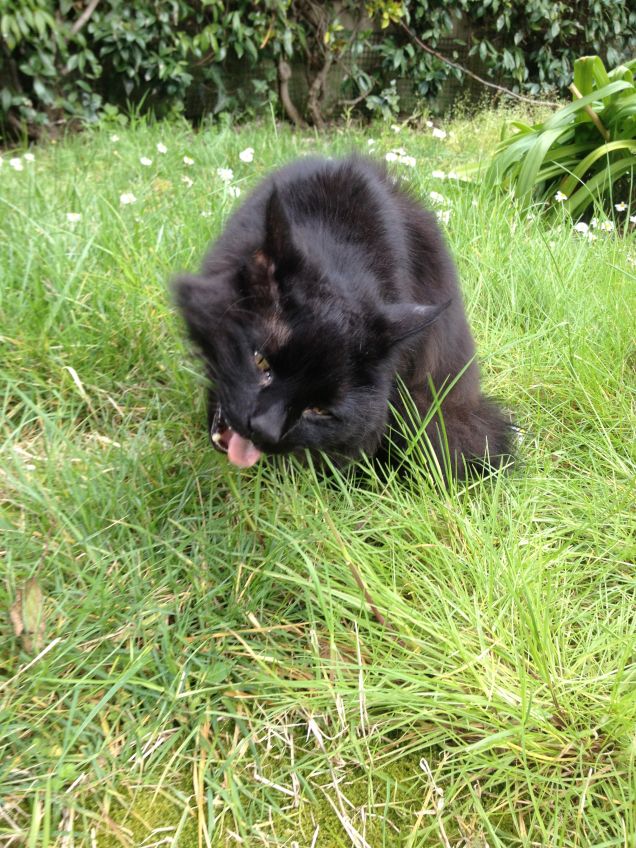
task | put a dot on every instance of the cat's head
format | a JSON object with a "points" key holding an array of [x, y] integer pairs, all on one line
{"points": [[295, 364]]}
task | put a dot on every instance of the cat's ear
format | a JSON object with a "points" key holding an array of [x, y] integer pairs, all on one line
{"points": [[195, 298], [279, 247], [408, 319]]}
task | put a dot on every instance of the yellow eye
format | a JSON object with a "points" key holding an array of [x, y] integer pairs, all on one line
{"points": [[316, 410], [261, 363], [264, 367]]}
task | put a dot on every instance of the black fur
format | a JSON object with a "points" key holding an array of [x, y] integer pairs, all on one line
{"points": [[343, 282]]}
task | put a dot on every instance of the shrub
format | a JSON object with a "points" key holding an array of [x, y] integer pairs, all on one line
{"points": [[66, 59], [583, 152]]}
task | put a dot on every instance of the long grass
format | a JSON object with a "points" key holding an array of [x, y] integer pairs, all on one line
{"points": [[271, 657]]}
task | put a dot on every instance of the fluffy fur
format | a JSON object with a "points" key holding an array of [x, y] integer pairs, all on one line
{"points": [[328, 286]]}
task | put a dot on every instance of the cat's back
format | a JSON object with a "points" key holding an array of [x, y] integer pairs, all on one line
{"points": [[351, 198]]}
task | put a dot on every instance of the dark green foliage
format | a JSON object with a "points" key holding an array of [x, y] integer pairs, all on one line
{"points": [[60, 60]]}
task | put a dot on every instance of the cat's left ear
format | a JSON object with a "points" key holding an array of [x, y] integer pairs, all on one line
{"points": [[410, 319]]}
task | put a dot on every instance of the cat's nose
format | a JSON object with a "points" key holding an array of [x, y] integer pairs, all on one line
{"points": [[268, 427]]}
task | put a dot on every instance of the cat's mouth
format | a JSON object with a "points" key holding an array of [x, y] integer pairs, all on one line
{"points": [[240, 451]]}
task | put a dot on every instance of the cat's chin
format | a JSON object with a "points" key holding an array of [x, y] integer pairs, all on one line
{"points": [[240, 451]]}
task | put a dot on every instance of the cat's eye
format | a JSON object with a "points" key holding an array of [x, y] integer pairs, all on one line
{"points": [[263, 366], [318, 411]]}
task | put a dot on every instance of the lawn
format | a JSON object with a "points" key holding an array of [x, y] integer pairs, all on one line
{"points": [[206, 670]]}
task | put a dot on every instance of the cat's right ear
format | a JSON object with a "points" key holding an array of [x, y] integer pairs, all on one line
{"points": [[195, 300], [279, 247]]}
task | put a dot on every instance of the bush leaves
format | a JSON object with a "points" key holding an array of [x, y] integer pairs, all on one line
{"points": [[584, 151]]}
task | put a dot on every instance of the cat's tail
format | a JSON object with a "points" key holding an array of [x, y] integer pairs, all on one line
{"points": [[467, 438]]}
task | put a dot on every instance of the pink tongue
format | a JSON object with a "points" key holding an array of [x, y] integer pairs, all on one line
{"points": [[241, 451]]}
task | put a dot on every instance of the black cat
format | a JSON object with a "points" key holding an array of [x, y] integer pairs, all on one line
{"points": [[328, 287]]}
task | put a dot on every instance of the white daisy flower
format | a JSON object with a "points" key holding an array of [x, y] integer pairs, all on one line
{"points": [[127, 198], [632, 219], [560, 197], [594, 222], [391, 156], [114, 138], [437, 133], [582, 228], [396, 128], [16, 163], [187, 181], [620, 207], [606, 226], [145, 161], [73, 217], [436, 197], [188, 161], [443, 215], [29, 157], [408, 160], [234, 191], [247, 155], [370, 142], [161, 147], [429, 124], [225, 174], [438, 175]]}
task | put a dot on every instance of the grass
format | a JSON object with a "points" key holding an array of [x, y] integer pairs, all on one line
{"points": [[206, 670]]}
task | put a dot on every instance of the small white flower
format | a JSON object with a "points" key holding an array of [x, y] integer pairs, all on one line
{"points": [[530, 216], [632, 219], [590, 236], [560, 197], [127, 198], [606, 226], [429, 124], [187, 181], [396, 128], [114, 138], [234, 191], [594, 222], [206, 213], [620, 207], [436, 197], [391, 156], [73, 217], [438, 175], [437, 133], [473, 202], [582, 228], [247, 155], [452, 175], [443, 215], [29, 157], [188, 161], [370, 142], [145, 161], [16, 164], [161, 147], [225, 174], [408, 160]]}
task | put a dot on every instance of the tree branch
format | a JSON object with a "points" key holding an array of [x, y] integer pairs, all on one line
{"points": [[479, 79]]}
